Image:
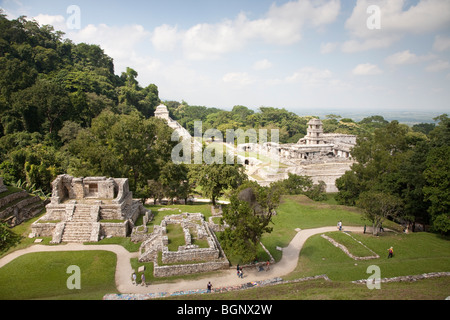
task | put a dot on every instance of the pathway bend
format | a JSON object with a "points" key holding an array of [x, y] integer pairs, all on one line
{"points": [[286, 265]]}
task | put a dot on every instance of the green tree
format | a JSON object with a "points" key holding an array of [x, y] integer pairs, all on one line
{"points": [[437, 176], [44, 106], [249, 215], [379, 156], [378, 207], [122, 146], [296, 184], [214, 179], [7, 237], [174, 180]]}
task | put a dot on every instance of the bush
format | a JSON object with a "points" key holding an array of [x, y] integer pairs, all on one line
{"points": [[7, 237]]}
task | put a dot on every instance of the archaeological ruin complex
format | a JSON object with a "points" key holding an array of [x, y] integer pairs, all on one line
{"points": [[321, 156], [88, 209], [190, 257]]}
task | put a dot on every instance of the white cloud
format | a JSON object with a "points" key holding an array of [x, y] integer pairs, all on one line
{"points": [[395, 21], [207, 41], [328, 47], [441, 43], [165, 37], [281, 25], [262, 65], [368, 44], [239, 78], [119, 43], [310, 76], [284, 24], [58, 22], [366, 69], [404, 57], [438, 66]]}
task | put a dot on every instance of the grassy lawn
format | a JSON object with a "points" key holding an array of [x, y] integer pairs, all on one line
{"points": [[176, 236], [354, 245], [430, 289], [44, 276], [413, 254], [301, 212]]}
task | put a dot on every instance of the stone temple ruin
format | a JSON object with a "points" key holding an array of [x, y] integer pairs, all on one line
{"points": [[321, 156], [88, 209], [189, 258]]}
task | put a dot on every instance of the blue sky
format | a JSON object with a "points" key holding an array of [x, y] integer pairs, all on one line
{"points": [[305, 56]]}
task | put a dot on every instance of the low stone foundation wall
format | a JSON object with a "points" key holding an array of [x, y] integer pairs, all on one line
{"points": [[114, 229], [175, 270], [55, 213], [43, 229], [408, 278], [199, 254]]}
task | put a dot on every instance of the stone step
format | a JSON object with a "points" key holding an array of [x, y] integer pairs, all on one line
{"points": [[77, 231], [77, 226], [78, 217], [76, 239]]}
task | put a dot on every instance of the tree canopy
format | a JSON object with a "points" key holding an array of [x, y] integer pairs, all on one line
{"points": [[398, 161], [249, 216]]}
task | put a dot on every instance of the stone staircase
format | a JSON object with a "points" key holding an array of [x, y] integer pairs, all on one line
{"points": [[79, 229]]}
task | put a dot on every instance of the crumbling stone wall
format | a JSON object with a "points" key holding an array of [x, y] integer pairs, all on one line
{"points": [[175, 270], [212, 258]]}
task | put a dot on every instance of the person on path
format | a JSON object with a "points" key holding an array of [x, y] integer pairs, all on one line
{"points": [[391, 252], [143, 280], [268, 265], [209, 287], [339, 225], [133, 278]]}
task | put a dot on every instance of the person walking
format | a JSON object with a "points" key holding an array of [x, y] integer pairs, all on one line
{"points": [[133, 278], [268, 265], [209, 287], [143, 280], [391, 252], [339, 225]]}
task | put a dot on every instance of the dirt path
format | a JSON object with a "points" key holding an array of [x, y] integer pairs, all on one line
{"points": [[223, 278]]}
